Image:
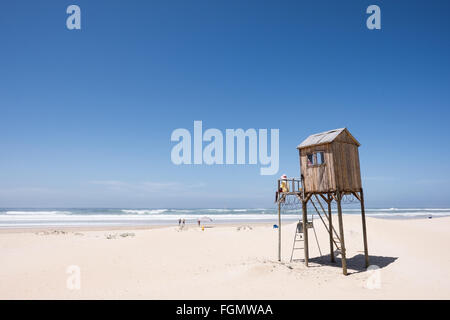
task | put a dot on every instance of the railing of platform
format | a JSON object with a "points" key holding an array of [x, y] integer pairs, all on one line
{"points": [[293, 184]]}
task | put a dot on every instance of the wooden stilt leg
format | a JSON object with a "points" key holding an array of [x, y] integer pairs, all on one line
{"points": [[363, 215], [305, 231], [279, 231], [341, 233], [330, 222]]}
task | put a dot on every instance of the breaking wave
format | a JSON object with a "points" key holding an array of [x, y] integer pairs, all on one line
{"points": [[153, 211]]}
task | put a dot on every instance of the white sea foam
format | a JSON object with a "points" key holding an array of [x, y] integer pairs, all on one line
{"points": [[37, 212], [152, 211]]}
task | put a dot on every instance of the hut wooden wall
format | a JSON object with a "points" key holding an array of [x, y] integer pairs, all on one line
{"points": [[346, 166], [318, 178]]}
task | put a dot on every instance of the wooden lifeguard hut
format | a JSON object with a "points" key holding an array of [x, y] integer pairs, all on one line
{"points": [[329, 170]]}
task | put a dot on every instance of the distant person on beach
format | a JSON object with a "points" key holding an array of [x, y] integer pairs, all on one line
{"points": [[184, 222], [179, 222], [198, 221]]}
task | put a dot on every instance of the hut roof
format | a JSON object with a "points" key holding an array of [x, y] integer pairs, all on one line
{"points": [[324, 138]]}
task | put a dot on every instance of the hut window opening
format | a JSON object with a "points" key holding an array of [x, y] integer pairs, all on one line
{"points": [[320, 158], [315, 159], [310, 159]]}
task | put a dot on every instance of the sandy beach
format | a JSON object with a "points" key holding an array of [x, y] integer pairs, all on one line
{"points": [[226, 262]]}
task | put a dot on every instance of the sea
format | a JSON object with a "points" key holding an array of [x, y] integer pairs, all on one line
{"points": [[73, 217]]}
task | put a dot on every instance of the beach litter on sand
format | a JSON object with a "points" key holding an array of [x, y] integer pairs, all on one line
{"points": [[54, 232], [127, 234], [115, 235], [244, 228]]}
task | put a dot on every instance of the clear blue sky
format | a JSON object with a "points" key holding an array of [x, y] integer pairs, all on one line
{"points": [[86, 116]]}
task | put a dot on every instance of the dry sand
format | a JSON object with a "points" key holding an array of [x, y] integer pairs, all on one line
{"points": [[224, 263]]}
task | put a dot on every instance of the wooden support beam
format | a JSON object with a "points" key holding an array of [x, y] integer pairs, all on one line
{"points": [[357, 196], [320, 203], [341, 232], [305, 230], [363, 215], [305, 199], [330, 222], [325, 214], [324, 199], [308, 197]]}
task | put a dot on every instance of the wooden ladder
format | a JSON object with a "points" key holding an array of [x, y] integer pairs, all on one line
{"points": [[298, 236]]}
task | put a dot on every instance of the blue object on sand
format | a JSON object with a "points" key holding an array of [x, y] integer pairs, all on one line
{"points": [[275, 226]]}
